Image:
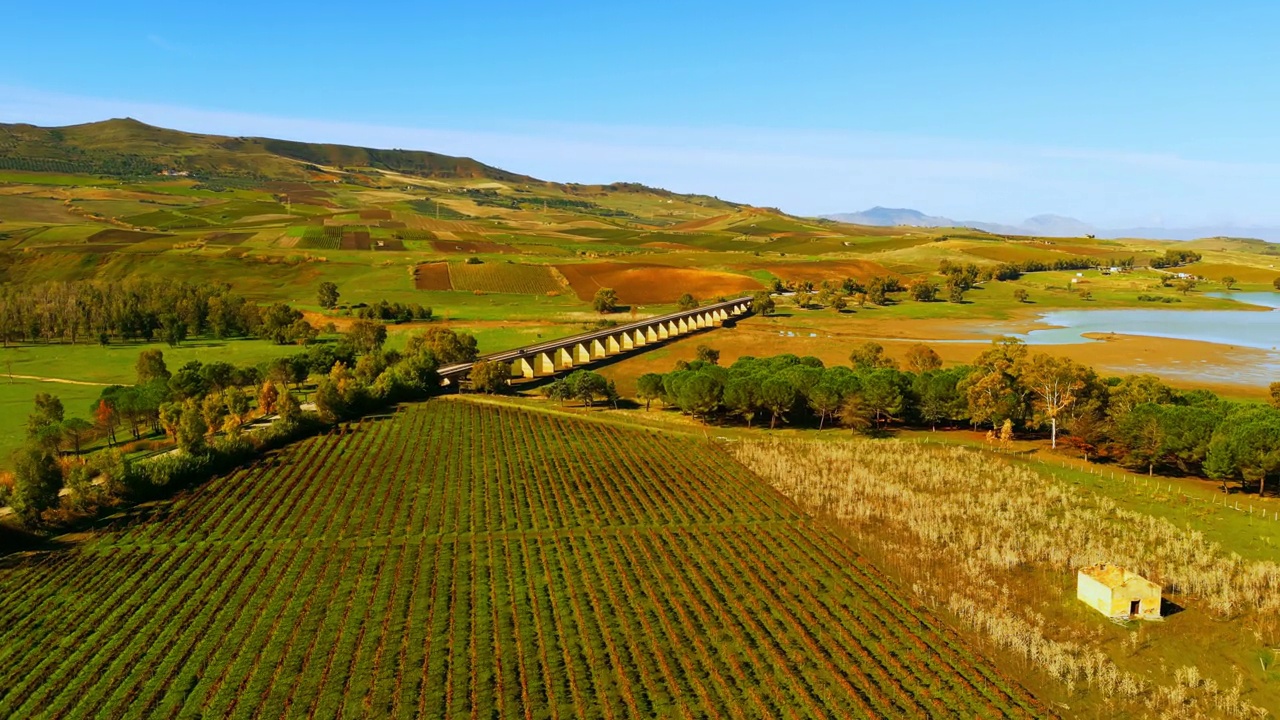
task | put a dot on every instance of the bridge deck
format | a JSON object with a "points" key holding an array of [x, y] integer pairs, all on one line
{"points": [[458, 370]]}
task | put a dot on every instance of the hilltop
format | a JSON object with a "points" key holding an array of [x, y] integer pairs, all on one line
{"points": [[127, 146]]}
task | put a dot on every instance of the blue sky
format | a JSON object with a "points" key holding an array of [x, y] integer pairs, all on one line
{"points": [[1116, 113]]}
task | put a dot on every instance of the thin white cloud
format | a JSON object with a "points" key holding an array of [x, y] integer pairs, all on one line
{"points": [[163, 44], [802, 171]]}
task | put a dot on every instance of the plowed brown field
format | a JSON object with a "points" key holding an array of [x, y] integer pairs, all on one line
{"points": [[432, 276], [636, 283]]}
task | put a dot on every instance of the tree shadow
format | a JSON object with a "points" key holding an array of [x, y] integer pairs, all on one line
{"points": [[14, 540], [879, 433]]}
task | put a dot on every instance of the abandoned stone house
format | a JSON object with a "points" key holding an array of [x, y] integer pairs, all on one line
{"points": [[1118, 593]]}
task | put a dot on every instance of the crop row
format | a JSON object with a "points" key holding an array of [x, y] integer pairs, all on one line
{"points": [[504, 277], [459, 560]]}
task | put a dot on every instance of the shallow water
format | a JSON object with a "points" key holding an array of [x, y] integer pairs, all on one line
{"points": [[1238, 328], [1230, 328]]}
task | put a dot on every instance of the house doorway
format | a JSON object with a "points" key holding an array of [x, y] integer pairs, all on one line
{"points": [[1134, 607]]}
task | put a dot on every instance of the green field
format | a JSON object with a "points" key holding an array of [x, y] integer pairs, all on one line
{"points": [[504, 277], [16, 403], [98, 367], [457, 560]]}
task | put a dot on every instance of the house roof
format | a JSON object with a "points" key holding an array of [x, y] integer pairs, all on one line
{"points": [[1113, 576]]}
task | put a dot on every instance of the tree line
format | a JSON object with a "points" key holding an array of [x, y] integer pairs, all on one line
{"points": [[1136, 421], [957, 280], [203, 410], [140, 310], [327, 296]]}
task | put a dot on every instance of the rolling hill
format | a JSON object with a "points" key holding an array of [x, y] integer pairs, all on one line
{"points": [[120, 146]]}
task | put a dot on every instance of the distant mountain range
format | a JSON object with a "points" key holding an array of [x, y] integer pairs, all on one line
{"points": [[1051, 226]]}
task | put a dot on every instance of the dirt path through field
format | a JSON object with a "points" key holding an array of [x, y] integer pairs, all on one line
{"points": [[64, 381]]}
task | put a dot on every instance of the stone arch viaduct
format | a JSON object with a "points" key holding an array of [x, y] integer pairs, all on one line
{"points": [[567, 353]]}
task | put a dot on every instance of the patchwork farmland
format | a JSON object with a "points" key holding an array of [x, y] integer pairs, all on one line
{"points": [[637, 283], [502, 277], [466, 560]]}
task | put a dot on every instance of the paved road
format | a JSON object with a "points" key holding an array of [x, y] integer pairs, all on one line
{"points": [[459, 369]]}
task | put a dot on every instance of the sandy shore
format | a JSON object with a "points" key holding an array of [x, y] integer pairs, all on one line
{"points": [[1232, 371]]}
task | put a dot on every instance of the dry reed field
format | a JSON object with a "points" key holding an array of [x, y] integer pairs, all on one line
{"points": [[464, 560], [990, 541]]}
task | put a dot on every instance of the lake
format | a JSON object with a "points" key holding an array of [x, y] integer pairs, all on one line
{"points": [[1240, 328]]}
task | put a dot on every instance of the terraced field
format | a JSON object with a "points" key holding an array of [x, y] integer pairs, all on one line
{"points": [[465, 560]]}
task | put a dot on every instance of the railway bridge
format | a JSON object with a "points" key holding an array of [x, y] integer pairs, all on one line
{"points": [[554, 356]]}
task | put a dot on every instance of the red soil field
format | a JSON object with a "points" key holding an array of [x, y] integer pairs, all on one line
{"points": [[432, 276], [636, 283], [356, 240]]}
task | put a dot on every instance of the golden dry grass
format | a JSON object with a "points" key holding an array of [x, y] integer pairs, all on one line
{"points": [[991, 541]]}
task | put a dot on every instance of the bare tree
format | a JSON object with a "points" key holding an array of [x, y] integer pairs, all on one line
{"points": [[1054, 383]]}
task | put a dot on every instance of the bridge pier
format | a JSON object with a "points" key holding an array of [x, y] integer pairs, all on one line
{"points": [[564, 359], [597, 349], [522, 368], [543, 365]]}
